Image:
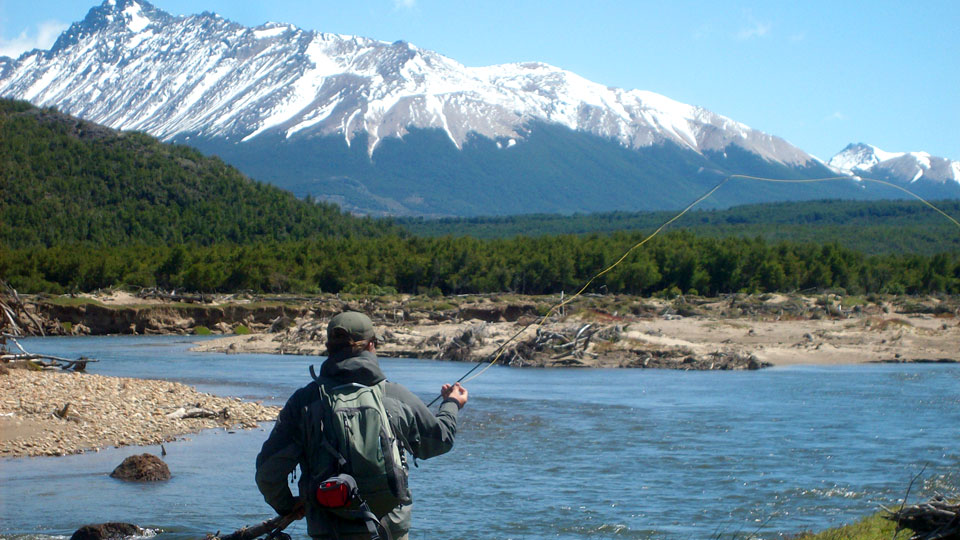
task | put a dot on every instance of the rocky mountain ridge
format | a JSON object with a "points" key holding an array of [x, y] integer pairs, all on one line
{"points": [[907, 167], [129, 65], [389, 128]]}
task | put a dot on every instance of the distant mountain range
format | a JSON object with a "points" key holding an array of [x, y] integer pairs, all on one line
{"points": [[388, 128], [909, 167]]}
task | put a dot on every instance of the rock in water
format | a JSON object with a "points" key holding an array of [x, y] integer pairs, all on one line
{"points": [[142, 468], [107, 531]]}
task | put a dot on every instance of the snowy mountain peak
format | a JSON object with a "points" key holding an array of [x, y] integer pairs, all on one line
{"points": [[129, 65], [121, 16], [861, 158]]}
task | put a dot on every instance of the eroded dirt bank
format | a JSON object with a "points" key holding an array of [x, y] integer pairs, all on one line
{"points": [[733, 332]]}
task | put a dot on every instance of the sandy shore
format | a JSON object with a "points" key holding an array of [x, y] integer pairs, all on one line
{"points": [[105, 411]]}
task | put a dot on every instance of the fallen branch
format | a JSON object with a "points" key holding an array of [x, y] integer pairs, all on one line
{"points": [[196, 412], [272, 528], [936, 519], [37, 360]]}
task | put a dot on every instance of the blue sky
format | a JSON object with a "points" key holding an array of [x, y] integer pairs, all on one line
{"points": [[819, 73]]}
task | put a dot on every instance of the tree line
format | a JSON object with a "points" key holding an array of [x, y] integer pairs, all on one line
{"points": [[875, 227], [680, 262]]}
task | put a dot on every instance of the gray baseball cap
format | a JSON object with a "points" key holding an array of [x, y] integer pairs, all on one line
{"points": [[350, 326]]}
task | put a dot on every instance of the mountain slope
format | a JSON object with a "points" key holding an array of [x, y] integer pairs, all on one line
{"points": [[129, 65], [64, 181], [315, 97]]}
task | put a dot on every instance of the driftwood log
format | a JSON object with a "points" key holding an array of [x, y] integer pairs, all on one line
{"points": [[936, 519], [197, 412], [10, 308], [272, 528]]}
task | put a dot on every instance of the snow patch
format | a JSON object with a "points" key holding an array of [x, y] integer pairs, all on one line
{"points": [[136, 21], [884, 156], [270, 32], [923, 159]]}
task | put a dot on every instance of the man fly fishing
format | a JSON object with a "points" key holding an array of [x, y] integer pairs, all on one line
{"points": [[349, 430]]}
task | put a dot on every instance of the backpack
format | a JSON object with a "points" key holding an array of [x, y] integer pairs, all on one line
{"points": [[356, 435]]}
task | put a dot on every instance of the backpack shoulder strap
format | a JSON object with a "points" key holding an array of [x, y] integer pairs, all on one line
{"points": [[324, 441]]}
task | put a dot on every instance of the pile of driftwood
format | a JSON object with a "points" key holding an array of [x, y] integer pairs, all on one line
{"points": [[459, 347], [936, 519], [13, 310], [564, 345]]}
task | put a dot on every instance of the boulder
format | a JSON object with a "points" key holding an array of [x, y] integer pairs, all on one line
{"points": [[142, 468], [107, 531]]}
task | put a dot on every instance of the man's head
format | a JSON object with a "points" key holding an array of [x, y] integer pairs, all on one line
{"points": [[350, 329]]}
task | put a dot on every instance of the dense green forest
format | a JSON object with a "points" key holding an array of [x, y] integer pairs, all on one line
{"points": [[874, 227], [677, 262], [83, 207], [64, 181]]}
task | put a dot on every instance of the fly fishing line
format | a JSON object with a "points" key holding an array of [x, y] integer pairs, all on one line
{"points": [[469, 375]]}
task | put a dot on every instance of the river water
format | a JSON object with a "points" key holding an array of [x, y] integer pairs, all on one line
{"points": [[543, 453]]}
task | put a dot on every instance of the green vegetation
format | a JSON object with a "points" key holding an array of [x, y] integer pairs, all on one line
{"points": [[65, 181], [874, 227], [874, 527], [670, 264], [86, 208], [201, 331], [241, 330]]}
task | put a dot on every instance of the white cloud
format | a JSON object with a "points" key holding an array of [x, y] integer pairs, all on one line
{"points": [[756, 29], [43, 37], [404, 4]]}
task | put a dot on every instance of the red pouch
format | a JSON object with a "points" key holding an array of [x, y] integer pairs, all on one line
{"points": [[336, 492]]}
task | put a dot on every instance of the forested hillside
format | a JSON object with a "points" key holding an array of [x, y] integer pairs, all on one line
{"points": [[83, 207], [64, 181], [874, 227]]}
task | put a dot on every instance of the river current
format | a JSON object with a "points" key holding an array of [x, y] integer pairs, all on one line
{"points": [[542, 453]]}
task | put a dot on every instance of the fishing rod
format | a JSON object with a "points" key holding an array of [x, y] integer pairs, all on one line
{"points": [[539, 322]]}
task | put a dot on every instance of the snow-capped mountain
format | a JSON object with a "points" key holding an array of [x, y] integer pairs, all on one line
{"points": [[131, 66], [391, 128], [905, 167]]}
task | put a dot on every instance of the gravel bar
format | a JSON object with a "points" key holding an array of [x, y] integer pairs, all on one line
{"points": [[35, 419]]}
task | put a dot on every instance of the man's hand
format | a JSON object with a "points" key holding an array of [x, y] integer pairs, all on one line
{"points": [[454, 392]]}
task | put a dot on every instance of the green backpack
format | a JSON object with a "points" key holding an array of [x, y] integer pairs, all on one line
{"points": [[357, 435]]}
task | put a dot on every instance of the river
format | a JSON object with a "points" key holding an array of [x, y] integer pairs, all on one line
{"points": [[543, 453]]}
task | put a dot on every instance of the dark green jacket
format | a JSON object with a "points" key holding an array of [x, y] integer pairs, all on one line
{"points": [[420, 432]]}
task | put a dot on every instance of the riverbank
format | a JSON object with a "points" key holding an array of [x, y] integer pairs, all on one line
{"points": [[740, 332], [54, 413], [737, 331]]}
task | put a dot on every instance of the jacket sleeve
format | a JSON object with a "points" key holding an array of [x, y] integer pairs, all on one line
{"points": [[425, 434], [279, 456]]}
